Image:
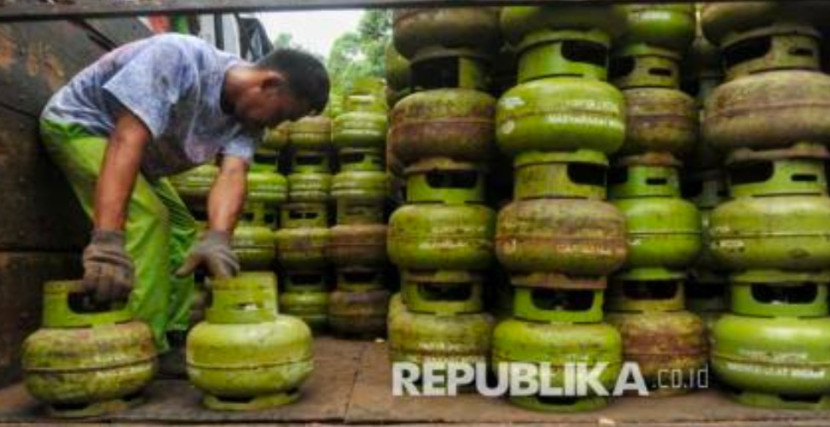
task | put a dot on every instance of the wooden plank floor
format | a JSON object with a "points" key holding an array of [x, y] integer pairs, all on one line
{"points": [[351, 384]]}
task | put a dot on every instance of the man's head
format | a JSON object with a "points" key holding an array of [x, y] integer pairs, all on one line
{"points": [[284, 85]]}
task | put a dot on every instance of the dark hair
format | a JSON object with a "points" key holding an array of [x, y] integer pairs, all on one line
{"points": [[307, 77]]}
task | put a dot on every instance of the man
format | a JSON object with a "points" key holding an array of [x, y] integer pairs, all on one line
{"points": [[154, 108]]}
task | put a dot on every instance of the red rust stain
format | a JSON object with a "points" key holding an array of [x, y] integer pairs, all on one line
{"points": [[7, 48], [53, 71], [33, 60]]}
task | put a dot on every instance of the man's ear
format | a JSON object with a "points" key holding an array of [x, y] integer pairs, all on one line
{"points": [[272, 81]]}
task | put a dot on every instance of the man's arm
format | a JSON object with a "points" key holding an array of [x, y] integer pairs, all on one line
{"points": [[227, 196], [119, 171], [108, 269], [225, 203]]}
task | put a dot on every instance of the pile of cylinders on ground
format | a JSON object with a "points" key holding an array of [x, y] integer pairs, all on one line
{"points": [[441, 240], [559, 239], [646, 298], [304, 234], [773, 234], [357, 248]]}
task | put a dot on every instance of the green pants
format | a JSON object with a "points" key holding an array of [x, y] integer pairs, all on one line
{"points": [[159, 229]]}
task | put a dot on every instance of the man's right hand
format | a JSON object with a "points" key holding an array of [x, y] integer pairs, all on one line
{"points": [[108, 269], [214, 252]]}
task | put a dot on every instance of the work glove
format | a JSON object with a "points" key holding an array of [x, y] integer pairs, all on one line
{"points": [[108, 269], [214, 252]]}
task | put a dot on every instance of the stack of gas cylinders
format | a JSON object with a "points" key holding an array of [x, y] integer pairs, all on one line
{"points": [[559, 239], [441, 239], [646, 298], [769, 118], [304, 234], [357, 247]]}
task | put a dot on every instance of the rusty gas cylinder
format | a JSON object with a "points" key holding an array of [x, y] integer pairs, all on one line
{"points": [[85, 363], [564, 238], [450, 122], [657, 333], [418, 29], [359, 313], [775, 95], [659, 117], [302, 241]]}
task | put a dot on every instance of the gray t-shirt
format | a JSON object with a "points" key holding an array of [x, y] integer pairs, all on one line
{"points": [[173, 83]]}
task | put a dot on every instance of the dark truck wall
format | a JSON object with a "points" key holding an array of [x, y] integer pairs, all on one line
{"points": [[42, 228]]}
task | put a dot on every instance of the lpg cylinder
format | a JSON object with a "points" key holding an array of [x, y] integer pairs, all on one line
{"points": [[363, 124], [722, 22], [664, 231], [302, 241], [275, 139], [564, 238], [194, 186], [659, 117], [521, 23], [445, 226], [245, 356], [450, 122], [773, 351], [778, 222], [775, 96], [583, 112], [266, 188], [443, 293], [398, 75], [657, 333], [360, 189], [357, 245], [417, 29], [310, 133], [309, 187], [359, 313], [575, 174], [427, 338], [85, 363], [668, 26], [253, 244], [306, 296], [558, 327]]}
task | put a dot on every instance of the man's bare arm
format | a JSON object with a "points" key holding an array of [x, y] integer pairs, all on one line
{"points": [[227, 196], [122, 161]]}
